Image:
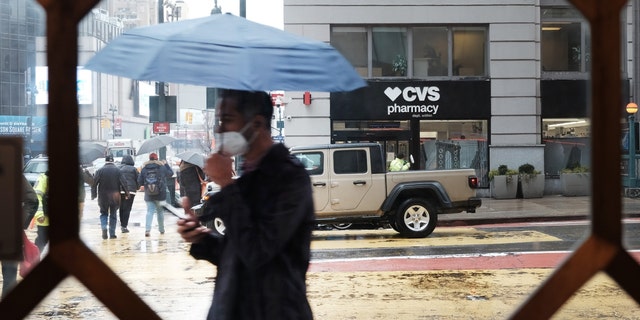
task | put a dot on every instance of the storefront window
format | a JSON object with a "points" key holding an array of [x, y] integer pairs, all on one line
{"points": [[389, 52], [352, 43], [566, 144], [435, 51], [564, 41], [453, 144], [469, 51], [430, 51]]}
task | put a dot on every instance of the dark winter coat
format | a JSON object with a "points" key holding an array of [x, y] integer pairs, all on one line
{"points": [[164, 172], [107, 183], [263, 258], [130, 173], [190, 175]]}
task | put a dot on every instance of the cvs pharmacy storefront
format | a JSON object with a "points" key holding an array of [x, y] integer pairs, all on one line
{"points": [[435, 124]]}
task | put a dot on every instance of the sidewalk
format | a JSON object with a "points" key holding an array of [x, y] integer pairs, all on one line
{"points": [[547, 208]]}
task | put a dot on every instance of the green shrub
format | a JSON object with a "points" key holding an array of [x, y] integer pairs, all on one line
{"points": [[576, 169], [502, 170], [527, 171]]}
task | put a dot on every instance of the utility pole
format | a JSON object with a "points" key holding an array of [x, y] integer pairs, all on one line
{"points": [[113, 109]]}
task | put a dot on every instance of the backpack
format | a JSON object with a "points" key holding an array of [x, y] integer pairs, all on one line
{"points": [[152, 182]]}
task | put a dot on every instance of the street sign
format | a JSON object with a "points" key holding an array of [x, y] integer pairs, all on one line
{"points": [[161, 127]]}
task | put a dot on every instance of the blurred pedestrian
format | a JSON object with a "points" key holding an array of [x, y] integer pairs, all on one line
{"points": [[191, 178], [29, 208], [153, 178], [108, 182], [399, 163], [263, 257], [41, 217], [130, 174]]}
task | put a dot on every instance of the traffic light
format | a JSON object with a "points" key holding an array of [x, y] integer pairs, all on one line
{"points": [[189, 115]]}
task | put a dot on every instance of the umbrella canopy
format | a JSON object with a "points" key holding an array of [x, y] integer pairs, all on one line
{"points": [[88, 155], [192, 157], [155, 143], [225, 51], [90, 151]]}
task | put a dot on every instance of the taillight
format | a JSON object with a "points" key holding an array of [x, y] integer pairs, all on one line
{"points": [[473, 182]]}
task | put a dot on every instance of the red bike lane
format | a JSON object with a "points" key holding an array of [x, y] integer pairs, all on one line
{"points": [[452, 262]]}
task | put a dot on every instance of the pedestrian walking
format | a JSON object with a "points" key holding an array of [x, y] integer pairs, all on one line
{"points": [[399, 163], [41, 217], [29, 208], [130, 175], [190, 178], [153, 178], [108, 182], [263, 257]]}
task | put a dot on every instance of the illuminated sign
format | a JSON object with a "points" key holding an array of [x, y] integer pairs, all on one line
{"points": [[84, 86]]}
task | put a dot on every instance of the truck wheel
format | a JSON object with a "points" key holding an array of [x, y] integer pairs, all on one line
{"points": [[416, 218], [342, 226]]}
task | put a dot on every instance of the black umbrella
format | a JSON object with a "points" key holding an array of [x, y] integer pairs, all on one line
{"points": [[88, 155]]}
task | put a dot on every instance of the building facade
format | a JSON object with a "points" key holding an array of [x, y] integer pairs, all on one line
{"points": [[455, 83]]}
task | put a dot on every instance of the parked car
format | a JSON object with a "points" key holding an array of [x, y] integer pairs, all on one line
{"points": [[35, 167]]}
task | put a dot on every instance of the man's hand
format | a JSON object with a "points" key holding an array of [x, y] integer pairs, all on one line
{"points": [[190, 229]]}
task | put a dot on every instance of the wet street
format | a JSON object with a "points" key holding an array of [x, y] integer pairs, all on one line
{"points": [[340, 286]]}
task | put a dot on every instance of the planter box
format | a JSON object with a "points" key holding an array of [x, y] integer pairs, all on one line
{"points": [[575, 184], [532, 186], [500, 189]]}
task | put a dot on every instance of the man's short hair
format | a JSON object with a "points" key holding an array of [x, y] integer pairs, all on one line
{"points": [[251, 103]]}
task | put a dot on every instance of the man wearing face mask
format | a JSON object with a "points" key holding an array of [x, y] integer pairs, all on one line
{"points": [[263, 257]]}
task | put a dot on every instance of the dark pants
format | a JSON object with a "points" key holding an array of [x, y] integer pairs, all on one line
{"points": [[9, 276], [110, 213], [125, 209], [42, 238]]}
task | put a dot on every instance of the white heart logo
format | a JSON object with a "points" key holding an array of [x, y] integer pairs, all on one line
{"points": [[392, 93]]}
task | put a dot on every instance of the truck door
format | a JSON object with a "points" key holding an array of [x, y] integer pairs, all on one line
{"points": [[314, 162], [350, 179]]}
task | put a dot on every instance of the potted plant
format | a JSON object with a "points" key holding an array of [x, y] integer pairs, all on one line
{"points": [[399, 65], [531, 181], [575, 181], [504, 182]]}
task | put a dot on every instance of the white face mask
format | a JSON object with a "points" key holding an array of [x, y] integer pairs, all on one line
{"points": [[233, 143]]}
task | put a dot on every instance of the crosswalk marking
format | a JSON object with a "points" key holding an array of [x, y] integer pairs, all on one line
{"points": [[360, 239]]}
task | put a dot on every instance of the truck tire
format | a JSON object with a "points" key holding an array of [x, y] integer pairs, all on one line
{"points": [[416, 218]]}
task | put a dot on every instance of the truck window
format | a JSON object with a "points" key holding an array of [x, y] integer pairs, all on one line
{"points": [[350, 161], [312, 161]]}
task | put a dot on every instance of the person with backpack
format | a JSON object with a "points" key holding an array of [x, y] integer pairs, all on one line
{"points": [[153, 178], [107, 184]]}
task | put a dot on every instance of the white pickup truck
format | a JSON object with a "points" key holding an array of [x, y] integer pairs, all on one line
{"points": [[351, 185]]}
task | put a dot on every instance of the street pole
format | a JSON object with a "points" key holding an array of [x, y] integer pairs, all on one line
{"points": [[113, 110], [632, 108]]}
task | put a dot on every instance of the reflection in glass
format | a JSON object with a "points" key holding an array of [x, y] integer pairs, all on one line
{"points": [[430, 51], [389, 51], [352, 43], [469, 51]]}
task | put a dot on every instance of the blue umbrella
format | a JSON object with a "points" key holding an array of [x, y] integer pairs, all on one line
{"points": [[225, 51]]}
